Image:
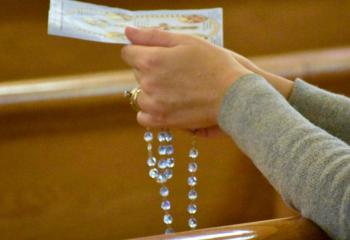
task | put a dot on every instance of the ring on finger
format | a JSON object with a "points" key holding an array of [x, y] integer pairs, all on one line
{"points": [[133, 95]]}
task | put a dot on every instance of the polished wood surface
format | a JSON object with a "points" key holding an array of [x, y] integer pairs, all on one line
{"points": [[80, 173], [295, 228], [326, 68], [252, 28], [73, 162]]}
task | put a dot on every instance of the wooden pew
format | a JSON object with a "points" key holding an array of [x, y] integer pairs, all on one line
{"points": [[73, 161], [252, 28], [294, 228]]}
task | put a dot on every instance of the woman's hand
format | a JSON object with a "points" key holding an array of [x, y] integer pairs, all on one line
{"points": [[183, 78], [281, 84]]}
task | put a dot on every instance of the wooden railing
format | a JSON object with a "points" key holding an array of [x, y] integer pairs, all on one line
{"points": [[295, 228], [325, 67], [310, 65]]}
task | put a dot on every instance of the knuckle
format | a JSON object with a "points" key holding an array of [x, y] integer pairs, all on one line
{"points": [[158, 108], [150, 61], [161, 118], [147, 85]]}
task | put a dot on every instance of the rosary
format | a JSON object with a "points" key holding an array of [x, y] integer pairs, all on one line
{"points": [[161, 163], [161, 170]]}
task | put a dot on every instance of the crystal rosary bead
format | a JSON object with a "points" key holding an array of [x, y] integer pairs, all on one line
{"points": [[192, 222], [151, 162], [168, 219], [162, 137], [148, 136], [153, 173], [192, 208], [192, 167], [162, 164], [192, 194], [166, 205], [192, 181], [164, 191], [170, 162]]}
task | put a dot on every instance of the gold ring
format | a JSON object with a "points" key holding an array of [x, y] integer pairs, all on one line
{"points": [[133, 95]]}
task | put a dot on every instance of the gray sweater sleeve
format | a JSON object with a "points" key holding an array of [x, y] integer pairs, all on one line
{"points": [[307, 165], [327, 110]]}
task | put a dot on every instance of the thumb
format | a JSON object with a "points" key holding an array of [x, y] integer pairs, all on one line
{"points": [[154, 37]]}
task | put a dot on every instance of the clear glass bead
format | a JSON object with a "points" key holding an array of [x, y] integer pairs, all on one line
{"points": [[168, 137], [170, 162], [162, 150], [162, 136], [162, 164], [165, 205], [192, 222], [169, 231], [193, 153], [162, 178], [192, 167], [192, 181], [148, 137], [151, 161], [192, 194], [168, 219], [149, 147], [164, 191], [170, 150], [154, 173], [168, 173], [192, 208]]}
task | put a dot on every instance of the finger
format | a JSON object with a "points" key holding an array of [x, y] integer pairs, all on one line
{"points": [[155, 37], [210, 132], [145, 102], [132, 54], [140, 57], [150, 120], [137, 75]]}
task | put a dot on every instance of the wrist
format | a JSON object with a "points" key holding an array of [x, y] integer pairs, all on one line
{"points": [[283, 85], [231, 79]]}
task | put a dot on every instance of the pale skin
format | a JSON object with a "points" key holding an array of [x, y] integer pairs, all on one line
{"points": [[184, 79]]}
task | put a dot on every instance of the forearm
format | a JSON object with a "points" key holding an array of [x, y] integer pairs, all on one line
{"points": [[308, 166], [325, 109]]}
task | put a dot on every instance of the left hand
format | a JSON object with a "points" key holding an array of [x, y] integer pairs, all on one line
{"points": [[183, 78]]}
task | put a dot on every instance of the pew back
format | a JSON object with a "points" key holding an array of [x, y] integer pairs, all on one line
{"points": [[73, 160]]}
